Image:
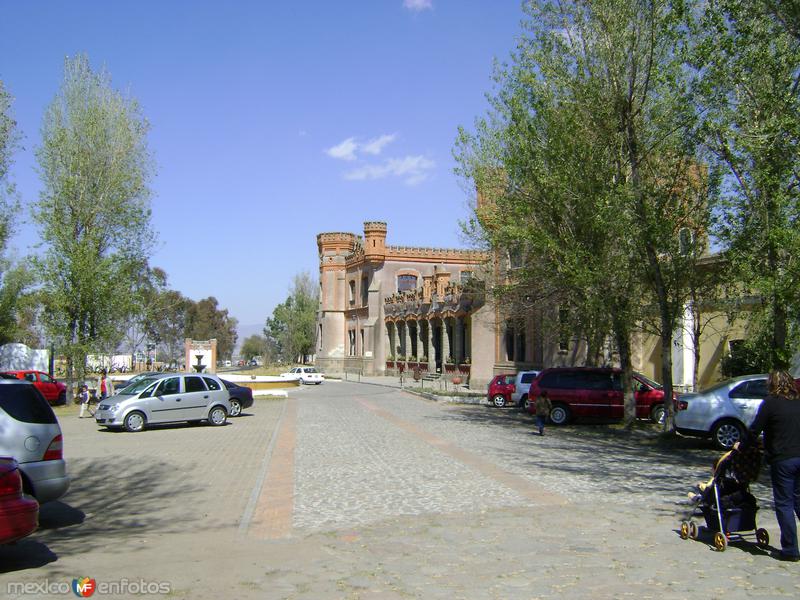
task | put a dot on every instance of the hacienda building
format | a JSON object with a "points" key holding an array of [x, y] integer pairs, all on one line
{"points": [[385, 309]]}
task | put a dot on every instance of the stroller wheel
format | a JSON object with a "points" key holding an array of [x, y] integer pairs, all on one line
{"points": [[762, 537], [684, 530], [693, 530], [720, 541]]}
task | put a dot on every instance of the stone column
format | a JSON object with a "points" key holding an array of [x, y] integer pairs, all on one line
{"points": [[390, 327], [457, 331], [445, 343], [431, 349], [408, 341], [420, 340]]}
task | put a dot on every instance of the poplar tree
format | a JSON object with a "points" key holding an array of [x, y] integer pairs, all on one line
{"points": [[93, 212], [747, 87], [588, 150]]}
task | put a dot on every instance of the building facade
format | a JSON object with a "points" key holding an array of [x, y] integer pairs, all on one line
{"points": [[389, 308]]}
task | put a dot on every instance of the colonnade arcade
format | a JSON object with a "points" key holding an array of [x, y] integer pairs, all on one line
{"points": [[435, 344]]}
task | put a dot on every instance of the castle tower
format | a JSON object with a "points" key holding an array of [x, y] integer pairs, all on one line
{"points": [[334, 248], [374, 241]]}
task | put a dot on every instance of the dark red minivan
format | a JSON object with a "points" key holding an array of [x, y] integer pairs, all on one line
{"points": [[500, 389], [577, 392]]}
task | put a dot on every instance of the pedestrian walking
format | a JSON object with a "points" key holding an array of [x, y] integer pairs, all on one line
{"points": [[83, 397], [104, 386], [543, 408], [778, 418]]}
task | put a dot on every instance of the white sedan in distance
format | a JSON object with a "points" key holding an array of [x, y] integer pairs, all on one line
{"points": [[304, 375]]}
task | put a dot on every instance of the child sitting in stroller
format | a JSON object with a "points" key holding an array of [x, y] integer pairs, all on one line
{"points": [[725, 501], [733, 472]]}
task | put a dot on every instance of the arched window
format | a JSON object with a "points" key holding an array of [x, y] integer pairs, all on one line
{"points": [[406, 283]]}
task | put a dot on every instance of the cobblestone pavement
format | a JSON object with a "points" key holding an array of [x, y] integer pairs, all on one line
{"points": [[360, 491]]}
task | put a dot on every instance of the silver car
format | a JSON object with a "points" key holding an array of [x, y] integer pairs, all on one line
{"points": [[31, 435], [166, 398], [522, 385], [722, 412]]}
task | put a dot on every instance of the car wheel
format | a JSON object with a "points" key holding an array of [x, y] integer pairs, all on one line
{"points": [[525, 402], [236, 408], [658, 413], [217, 416], [499, 400], [559, 415], [726, 433], [134, 422]]}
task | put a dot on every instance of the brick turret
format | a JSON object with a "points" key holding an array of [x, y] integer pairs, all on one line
{"points": [[375, 241]]}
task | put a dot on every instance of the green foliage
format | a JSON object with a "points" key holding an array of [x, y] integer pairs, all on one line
{"points": [[93, 212], [166, 322], [252, 346], [747, 62], [205, 321], [291, 331]]}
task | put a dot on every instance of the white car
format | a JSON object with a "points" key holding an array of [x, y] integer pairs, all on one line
{"points": [[304, 375]]}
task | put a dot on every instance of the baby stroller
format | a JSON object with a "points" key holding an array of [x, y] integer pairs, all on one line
{"points": [[725, 501]]}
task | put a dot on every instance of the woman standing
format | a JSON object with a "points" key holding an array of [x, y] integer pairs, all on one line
{"points": [[779, 419]]}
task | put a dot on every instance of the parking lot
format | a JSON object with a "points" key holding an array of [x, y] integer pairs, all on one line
{"points": [[348, 490]]}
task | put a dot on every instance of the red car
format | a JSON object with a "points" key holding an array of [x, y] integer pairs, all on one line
{"points": [[53, 391], [500, 389], [19, 515], [595, 392]]}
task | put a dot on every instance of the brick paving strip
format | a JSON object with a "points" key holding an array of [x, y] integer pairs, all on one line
{"points": [[484, 467], [271, 507]]}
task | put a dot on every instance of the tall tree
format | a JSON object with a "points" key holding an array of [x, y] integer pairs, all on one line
{"points": [[13, 280], [205, 321], [747, 62], [591, 130], [93, 212], [291, 329], [167, 324]]}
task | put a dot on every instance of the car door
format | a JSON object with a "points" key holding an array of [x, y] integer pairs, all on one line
{"points": [[603, 398], [196, 398], [747, 397], [164, 402], [47, 386]]}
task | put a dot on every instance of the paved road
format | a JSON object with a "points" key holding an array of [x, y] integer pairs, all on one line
{"points": [[361, 491]]}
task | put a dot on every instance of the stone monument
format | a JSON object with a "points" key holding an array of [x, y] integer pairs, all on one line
{"points": [[201, 356]]}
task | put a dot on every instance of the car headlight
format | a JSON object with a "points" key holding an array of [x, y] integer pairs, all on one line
{"points": [[111, 407]]}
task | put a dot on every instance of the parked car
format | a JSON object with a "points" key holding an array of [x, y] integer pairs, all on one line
{"points": [[522, 384], [595, 392], [19, 514], [304, 375], [501, 387], [724, 411], [32, 436], [53, 391], [166, 398], [241, 397]]}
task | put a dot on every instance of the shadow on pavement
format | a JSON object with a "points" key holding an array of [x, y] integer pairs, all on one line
{"points": [[623, 463], [111, 500]]}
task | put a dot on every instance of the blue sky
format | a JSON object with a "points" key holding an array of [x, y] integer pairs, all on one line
{"points": [[272, 121]]}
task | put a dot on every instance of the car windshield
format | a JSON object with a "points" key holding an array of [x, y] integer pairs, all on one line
{"points": [[648, 381], [136, 386]]}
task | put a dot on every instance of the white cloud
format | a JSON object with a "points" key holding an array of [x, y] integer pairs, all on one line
{"points": [[375, 146], [418, 5], [346, 150], [412, 169]]}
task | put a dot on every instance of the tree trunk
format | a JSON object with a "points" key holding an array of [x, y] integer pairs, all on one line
{"points": [[624, 346]]}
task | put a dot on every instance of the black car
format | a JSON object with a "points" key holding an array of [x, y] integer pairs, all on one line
{"points": [[241, 397]]}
